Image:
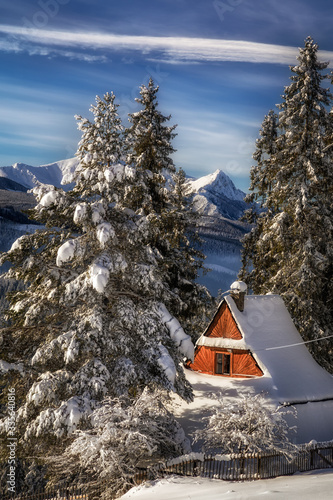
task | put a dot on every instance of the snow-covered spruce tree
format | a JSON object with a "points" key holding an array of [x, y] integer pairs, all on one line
{"points": [[161, 194], [263, 177], [248, 425], [101, 142], [149, 150], [293, 253], [93, 321]]}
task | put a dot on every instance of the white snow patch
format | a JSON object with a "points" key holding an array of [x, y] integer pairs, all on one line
{"points": [[118, 172], [239, 286], [49, 199], [66, 252], [167, 364], [186, 458], [80, 212], [17, 245], [105, 232], [180, 338], [305, 486], [221, 342], [74, 412], [72, 350], [99, 276], [98, 212]]}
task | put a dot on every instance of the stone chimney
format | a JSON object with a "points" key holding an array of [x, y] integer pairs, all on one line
{"points": [[238, 291]]}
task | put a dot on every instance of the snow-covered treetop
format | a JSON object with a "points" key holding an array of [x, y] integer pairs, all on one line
{"points": [[148, 138]]}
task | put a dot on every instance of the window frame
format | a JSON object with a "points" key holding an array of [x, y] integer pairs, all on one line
{"points": [[223, 358]]}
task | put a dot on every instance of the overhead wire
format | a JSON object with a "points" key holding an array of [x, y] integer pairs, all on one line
{"points": [[293, 345]]}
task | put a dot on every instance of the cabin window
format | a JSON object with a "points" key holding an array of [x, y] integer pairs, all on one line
{"points": [[222, 363]]}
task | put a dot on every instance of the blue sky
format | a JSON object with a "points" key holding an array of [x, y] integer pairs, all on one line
{"points": [[220, 65]]}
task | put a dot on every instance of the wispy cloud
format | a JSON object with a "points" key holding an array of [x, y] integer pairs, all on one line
{"points": [[172, 49], [19, 44]]}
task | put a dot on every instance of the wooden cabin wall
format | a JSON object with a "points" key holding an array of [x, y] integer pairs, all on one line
{"points": [[245, 364], [204, 360], [242, 362], [224, 325]]}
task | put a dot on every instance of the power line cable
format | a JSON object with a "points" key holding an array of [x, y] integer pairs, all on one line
{"points": [[293, 345]]}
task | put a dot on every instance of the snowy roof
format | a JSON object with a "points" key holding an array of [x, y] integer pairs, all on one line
{"points": [[269, 332]]}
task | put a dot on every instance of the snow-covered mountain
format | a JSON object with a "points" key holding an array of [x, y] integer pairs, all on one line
{"points": [[215, 194], [29, 176], [217, 182], [215, 197]]}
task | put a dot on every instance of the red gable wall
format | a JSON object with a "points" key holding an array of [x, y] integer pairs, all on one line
{"points": [[242, 362], [224, 325]]}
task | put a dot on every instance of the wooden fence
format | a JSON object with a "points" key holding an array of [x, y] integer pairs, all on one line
{"points": [[249, 466], [230, 468]]}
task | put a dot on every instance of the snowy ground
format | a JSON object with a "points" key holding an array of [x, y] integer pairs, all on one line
{"points": [[314, 420], [305, 486]]}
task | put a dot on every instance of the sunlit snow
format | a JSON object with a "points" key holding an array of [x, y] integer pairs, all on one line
{"points": [[181, 339], [66, 252]]}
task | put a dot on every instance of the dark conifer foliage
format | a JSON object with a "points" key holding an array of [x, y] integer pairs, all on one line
{"points": [[95, 320], [291, 247]]}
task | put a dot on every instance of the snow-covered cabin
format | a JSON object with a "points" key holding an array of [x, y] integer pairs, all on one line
{"points": [[254, 336], [222, 349]]}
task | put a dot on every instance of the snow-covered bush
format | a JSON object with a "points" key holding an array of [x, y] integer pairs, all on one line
{"points": [[247, 425], [124, 435]]}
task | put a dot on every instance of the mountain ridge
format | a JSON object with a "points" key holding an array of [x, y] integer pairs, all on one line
{"points": [[215, 197], [214, 194], [29, 176]]}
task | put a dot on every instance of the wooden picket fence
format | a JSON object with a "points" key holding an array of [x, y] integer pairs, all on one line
{"points": [[242, 467], [234, 467]]}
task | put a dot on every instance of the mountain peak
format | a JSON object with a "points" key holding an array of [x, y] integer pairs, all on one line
{"points": [[218, 183], [213, 194]]}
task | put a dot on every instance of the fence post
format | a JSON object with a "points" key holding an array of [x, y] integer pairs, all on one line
{"points": [[259, 465]]}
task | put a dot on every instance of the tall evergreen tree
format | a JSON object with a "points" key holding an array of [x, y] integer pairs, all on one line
{"points": [[183, 261], [263, 177], [93, 322], [295, 241], [149, 150], [161, 194]]}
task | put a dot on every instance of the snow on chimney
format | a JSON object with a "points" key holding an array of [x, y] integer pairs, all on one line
{"points": [[238, 291]]}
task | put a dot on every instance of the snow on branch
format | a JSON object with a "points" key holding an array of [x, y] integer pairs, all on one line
{"points": [[181, 339], [66, 252], [167, 364]]}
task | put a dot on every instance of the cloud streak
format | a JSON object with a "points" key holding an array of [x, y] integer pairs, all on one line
{"points": [[172, 49]]}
